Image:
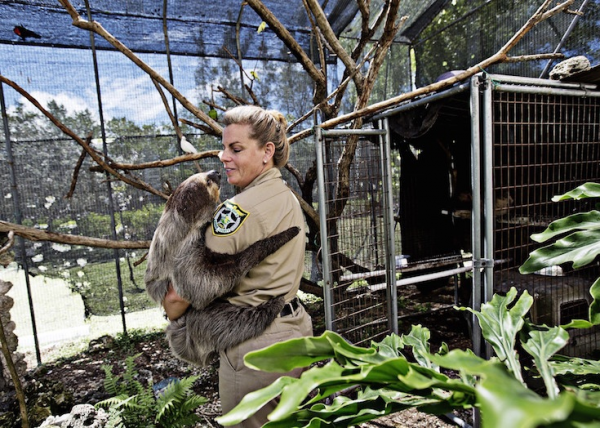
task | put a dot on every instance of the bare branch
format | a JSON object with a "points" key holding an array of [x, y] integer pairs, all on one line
{"points": [[333, 41], [9, 244], [536, 57], [33, 234], [76, 170], [285, 36], [203, 128], [162, 163], [498, 57], [95, 27], [135, 182]]}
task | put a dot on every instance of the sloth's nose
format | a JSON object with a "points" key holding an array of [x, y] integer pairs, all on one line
{"points": [[214, 176]]}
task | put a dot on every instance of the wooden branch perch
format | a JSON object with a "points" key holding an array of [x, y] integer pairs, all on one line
{"points": [[33, 234], [162, 163]]}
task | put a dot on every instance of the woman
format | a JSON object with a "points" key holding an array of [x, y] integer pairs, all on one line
{"points": [[255, 147]]}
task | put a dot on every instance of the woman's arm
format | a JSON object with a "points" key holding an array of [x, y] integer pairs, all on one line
{"points": [[173, 304]]}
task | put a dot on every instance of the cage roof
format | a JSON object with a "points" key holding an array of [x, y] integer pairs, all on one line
{"points": [[200, 28]]}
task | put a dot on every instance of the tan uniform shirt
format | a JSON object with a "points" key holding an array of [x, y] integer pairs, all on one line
{"points": [[265, 207]]}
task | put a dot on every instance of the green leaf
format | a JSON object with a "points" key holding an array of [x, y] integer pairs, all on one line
{"points": [[304, 351], [578, 366], [580, 221], [595, 306], [261, 27], [500, 326], [587, 190], [390, 346], [581, 248], [254, 401], [541, 346], [504, 400], [418, 339]]}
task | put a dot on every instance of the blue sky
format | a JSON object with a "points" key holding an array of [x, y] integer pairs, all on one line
{"points": [[67, 76]]}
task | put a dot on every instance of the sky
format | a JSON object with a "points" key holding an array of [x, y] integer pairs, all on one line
{"points": [[67, 76]]}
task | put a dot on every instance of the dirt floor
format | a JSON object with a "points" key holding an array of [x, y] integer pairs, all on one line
{"points": [[79, 379]]}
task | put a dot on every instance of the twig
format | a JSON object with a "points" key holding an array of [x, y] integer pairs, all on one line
{"points": [[234, 98], [76, 170], [161, 163], [15, 376], [10, 243]]}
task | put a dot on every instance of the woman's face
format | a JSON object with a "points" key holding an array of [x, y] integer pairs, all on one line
{"points": [[241, 156]]}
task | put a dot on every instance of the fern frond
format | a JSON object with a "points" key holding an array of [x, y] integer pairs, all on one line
{"points": [[177, 403], [110, 381]]}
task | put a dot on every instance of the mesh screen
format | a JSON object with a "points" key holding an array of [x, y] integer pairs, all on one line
{"points": [[464, 36], [544, 145], [356, 244]]}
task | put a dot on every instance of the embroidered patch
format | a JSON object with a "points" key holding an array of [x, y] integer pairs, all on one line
{"points": [[228, 219]]}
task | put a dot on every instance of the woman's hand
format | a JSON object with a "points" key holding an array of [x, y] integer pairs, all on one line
{"points": [[173, 304]]}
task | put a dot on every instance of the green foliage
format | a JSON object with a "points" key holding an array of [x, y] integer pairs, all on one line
{"points": [[135, 405], [385, 381], [581, 246]]}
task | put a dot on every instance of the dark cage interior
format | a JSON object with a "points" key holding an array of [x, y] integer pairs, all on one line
{"points": [[433, 143]]}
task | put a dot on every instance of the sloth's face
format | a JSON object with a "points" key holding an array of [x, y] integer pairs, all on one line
{"points": [[197, 196]]}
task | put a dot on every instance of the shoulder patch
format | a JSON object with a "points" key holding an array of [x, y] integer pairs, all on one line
{"points": [[228, 219]]}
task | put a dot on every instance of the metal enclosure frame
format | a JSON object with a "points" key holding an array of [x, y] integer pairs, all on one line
{"points": [[481, 90]]}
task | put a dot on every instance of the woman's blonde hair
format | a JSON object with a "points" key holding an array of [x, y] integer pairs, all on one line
{"points": [[265, 125]]}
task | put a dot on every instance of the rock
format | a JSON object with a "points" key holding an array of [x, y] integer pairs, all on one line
{"points": [[82, 415], [569, 67], [5, 287], [101, 344]]}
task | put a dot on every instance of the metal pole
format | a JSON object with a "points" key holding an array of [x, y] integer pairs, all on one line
{"points": [[19, 220], [325, 256], [475, 211], [111, 208], [388, 216], [565, 36], [488, 199], [476, 222]]}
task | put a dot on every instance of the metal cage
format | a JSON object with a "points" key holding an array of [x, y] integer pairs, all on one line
{"points": [[473, 170]]}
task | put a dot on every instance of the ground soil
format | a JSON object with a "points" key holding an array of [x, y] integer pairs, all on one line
{"points": [[79, 379]]}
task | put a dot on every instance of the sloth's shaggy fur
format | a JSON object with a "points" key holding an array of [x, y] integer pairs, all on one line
{"points": [[178, 255]]}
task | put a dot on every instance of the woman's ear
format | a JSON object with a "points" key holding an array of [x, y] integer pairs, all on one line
{"points": [[269, 150]]}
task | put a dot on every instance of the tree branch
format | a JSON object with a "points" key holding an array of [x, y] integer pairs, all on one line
{"points": [[33, 234], [498, 57], [135, 182], [95, 27], [317, 75], [162, 163], [334, 42]]}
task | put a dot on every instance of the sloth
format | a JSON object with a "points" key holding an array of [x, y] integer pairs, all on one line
{"points": [[178, 256]]}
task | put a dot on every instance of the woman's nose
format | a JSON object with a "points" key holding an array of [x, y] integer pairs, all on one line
{"points": [[221, 155]]}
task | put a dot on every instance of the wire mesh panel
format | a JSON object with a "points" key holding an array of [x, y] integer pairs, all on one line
{"points": [[544, 144], [356, 241]]}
